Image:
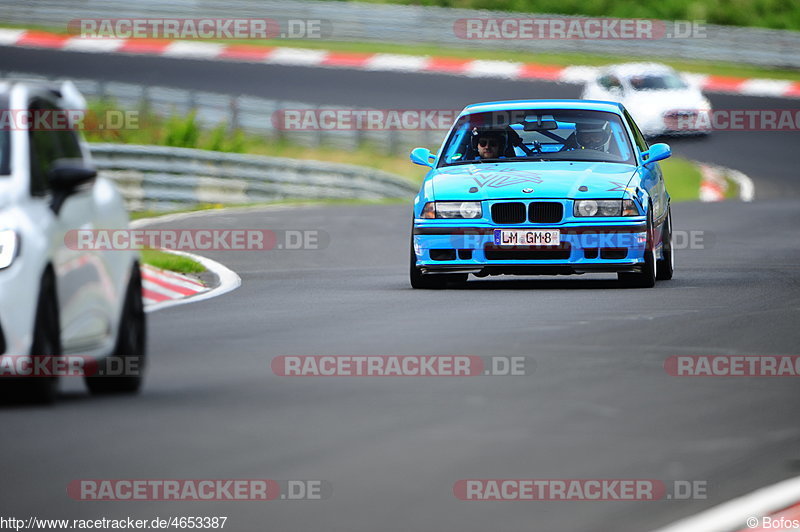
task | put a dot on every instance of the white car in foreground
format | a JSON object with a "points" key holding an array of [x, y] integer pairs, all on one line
{"points": [[660, 100], [57, 302]]}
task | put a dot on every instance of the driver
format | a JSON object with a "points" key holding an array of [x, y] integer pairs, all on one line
{"points": [[489, 143], [592, 136]]}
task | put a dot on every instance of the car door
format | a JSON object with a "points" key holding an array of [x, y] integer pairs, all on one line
{"points": [[652, 178], [81, 279]]}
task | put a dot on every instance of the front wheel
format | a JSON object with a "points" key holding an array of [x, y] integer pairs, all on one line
{"points": [[46, 347], [666, 265], [432, 281], [122, 373], [647, 277]]}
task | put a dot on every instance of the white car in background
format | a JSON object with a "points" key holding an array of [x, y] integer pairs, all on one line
{"points": [[660, 100], [56, 300]]}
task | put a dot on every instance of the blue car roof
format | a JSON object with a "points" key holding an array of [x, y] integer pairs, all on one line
{"points": [[509, 105]]}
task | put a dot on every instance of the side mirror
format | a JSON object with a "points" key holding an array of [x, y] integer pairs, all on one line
{"points": [[68, 174], [65, 176], [422, 157], [657, 152]]}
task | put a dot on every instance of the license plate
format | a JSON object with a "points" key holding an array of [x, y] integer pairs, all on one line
{"points": [[522, 237]]}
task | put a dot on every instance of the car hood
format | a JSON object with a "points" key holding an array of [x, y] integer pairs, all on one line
{"points": [[562, 179]]}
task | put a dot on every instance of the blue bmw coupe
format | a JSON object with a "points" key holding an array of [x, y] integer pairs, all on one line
{"points": [[544, 187]]}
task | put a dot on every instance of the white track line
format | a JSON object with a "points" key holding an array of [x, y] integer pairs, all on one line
{"points": [[765, 87], [77, 44], [10, 37], [296, 57], [493, 69], [732, 515], [194, 50], [395, 62], [747, 190]]}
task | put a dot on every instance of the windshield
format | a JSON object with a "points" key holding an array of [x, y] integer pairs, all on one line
{"points": [[538, 135], [652, 82]]}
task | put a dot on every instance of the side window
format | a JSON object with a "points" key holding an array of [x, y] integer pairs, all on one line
{"points": [[70, 148], [43, 152], [47, 146], [637, 135]]}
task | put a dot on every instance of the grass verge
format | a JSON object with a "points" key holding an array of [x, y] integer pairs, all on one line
{"points": [[171, 262], [733, 191], [682, 178]]}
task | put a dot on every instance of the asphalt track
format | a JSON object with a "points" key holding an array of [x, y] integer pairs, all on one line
{"points": [[598, 403]]}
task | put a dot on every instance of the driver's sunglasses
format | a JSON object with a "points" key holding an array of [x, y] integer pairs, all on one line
{"points": [[494, 143]]}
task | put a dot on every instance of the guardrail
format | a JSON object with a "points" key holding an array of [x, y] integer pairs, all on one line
{"points": [[161, 178], [355, 21]]}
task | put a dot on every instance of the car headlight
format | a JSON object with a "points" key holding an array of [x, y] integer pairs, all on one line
{"points": [[592, 207], [9, 245], [452, 209]]}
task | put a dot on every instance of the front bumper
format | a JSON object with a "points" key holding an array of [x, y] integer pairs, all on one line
{"points": [[447, 248]]}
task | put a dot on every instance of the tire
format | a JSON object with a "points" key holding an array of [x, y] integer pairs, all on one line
{"points": [[130, 352], [647, 277], [666, 265], [433, 281], [46, 344]]}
